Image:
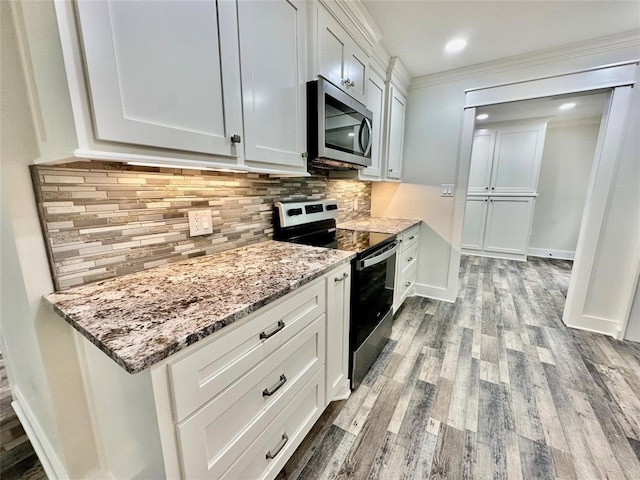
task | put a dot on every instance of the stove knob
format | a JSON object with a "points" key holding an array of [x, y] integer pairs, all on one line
{"points": [[294, 211]]}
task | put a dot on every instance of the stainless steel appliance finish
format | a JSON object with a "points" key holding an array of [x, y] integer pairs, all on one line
{"points": [[372, 273], [339, 129]]}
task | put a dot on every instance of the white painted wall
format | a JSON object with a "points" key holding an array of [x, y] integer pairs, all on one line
{"points": [[38, 347], [562, 187], [432, 143]]}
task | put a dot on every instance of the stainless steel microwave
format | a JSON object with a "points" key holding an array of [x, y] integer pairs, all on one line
{"points": [[339, 128]]}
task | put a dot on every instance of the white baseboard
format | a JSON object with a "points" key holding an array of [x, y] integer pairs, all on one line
{"points": [[51, 464], [596, 325], [435, 293], [545, 253]]}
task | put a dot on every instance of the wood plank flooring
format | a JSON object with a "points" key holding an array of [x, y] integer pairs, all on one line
{"points": [[493, 386]]}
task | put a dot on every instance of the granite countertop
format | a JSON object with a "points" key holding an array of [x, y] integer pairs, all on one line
{"points": [[393, 226], [142, 318]]}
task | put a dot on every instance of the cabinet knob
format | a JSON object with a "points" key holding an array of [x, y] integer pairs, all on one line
{"points": [[409, 259], [493, 188], [236, 138], [408, 284], [486, 188], [412, 237], [346, 81], [352, 83], [305, 154]]}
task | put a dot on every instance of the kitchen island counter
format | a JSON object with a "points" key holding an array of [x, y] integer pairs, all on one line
{"points": [[393, 226], [142, 318]]}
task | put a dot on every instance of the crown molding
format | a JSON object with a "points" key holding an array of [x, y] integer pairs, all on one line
{"points": [[379, 60], [399, 75], [360, 18], [629, 38]]}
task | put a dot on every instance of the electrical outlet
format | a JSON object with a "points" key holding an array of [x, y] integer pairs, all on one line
{"points": [[447, 190], [200, 222]]}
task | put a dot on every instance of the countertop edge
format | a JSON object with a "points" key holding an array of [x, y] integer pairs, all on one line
{"points": [[187, 341], [345, 225]]}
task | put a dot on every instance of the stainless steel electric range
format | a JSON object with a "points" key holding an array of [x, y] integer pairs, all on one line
{"points": [[373, 272]]}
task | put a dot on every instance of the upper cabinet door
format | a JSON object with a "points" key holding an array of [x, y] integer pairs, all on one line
{"points": [[272, 42], [163, 74], [397, 107], [340, 59], [375, 103], [481, 158], [517, 158]]}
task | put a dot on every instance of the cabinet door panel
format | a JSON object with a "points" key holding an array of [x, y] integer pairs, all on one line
{"points": [[337, 365], [331, 49], [397, 104], [517, 160], [475, 216], [481, 158], [273, 84], [375, 103], [157, 76], [508, 225], [356, 68]]}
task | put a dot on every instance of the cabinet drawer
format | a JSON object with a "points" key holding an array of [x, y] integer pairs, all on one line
{"points": [[202, 375], [408, 258], [281, 438], [410, 237], [207, 437], [407, 279]]}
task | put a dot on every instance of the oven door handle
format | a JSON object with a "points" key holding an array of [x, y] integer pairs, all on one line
{"points": [[368, 262]]}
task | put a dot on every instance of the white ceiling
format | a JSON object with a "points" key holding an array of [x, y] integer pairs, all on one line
{"points": [[417, 30], [589, 106]]}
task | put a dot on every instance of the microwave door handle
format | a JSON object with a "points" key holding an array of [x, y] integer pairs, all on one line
{"points": [[367, 150], [360, 132], [368, 262]]}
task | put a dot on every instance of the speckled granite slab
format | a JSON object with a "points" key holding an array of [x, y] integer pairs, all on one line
{"points": [[142, 318], [378, 224]]}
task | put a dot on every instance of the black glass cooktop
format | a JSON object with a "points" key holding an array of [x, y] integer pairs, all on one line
{"points": [[358, 242]]}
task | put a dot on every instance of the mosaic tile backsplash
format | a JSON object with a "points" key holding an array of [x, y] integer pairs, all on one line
{"points": [[102, 220]]}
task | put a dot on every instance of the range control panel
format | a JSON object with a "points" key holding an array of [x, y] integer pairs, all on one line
{"points": [[299, 213]]}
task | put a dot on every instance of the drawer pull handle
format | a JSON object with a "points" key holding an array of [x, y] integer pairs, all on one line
{"points": [[279, 447], [412, 237], [344, 276], [409, 259], [267, 393], [265, 335], [408, 284]]}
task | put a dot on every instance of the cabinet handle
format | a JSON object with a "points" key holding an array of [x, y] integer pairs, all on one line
{"points": [[236, 138], [344, 275], [409, 259], [268, 392], [305, 154], [408, 284], [412, 237], [346, 81], [352, 83], [265, 335], [279, 447]]}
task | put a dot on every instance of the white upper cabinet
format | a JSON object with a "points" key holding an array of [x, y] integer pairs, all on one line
{"points": [[163, 74], [397, 107], [506, 158], [340, 60], [375, 102], [272, 46], [481, 157]]}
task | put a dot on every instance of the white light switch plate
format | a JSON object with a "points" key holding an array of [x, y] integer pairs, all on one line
{"points": [[200, 222], [447, 190]]}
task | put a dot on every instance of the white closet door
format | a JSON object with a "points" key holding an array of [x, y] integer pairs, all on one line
{"points": [[508, 224], [475, 216], [516, 165], [163, 74], [272, 43], [481, 157]]}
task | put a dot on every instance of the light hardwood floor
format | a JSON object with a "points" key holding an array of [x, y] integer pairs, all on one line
{"points": [[493, 386]]}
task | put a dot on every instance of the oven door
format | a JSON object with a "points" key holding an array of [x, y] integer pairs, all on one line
{"points": [[371, 308]]}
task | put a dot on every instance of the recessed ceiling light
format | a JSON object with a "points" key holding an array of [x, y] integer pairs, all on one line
{"points": [[455, 45], [567, 106], [482, 116]]}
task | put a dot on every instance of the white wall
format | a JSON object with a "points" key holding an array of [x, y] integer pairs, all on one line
{"points": [[432, 142], [562, 188], [38, 347]]}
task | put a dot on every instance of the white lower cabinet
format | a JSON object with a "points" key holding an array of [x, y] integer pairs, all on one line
{"points": [[337, 366], [238, 404], [497, 226], [406, 266]]}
